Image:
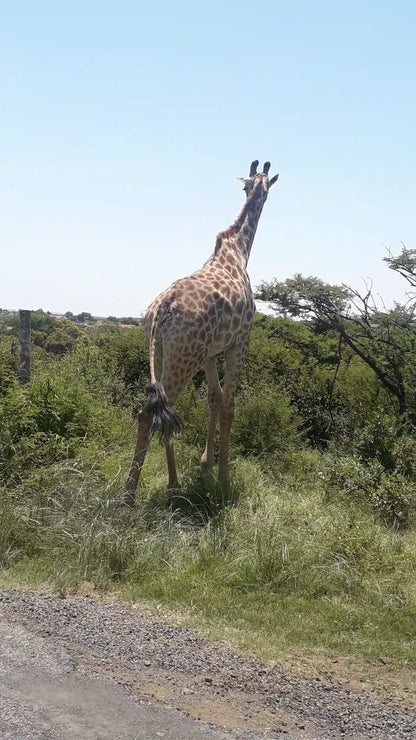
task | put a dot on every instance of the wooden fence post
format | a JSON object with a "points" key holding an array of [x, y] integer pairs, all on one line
{"points": [[24, 347]]}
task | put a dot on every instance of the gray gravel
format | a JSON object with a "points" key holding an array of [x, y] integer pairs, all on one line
{"points": [[148, 657], [43, 695]]}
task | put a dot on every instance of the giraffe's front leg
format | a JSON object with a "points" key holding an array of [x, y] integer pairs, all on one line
{"points": [[226, 420], [214, 405], [234, 359]]}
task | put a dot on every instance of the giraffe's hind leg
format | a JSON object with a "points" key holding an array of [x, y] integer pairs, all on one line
{"points": [[172, 389], [173, 383], [171, 395], [170, 453], [214, 405], [170, 459], [144, 435]]}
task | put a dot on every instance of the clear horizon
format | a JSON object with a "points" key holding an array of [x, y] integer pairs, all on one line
{"points": [[124, 129]]}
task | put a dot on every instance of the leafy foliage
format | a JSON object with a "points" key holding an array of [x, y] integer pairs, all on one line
{"points": [[265, 425], [66, 406], [125, 352], [384, 340], [56, 336]]}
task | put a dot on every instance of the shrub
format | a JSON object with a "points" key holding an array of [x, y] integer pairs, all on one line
{"points": [[264, 424], [64, 338], [390, 494], [349, 475], [65, 407], [125, 351], [395, 499], [376, 439], [404, 455]]}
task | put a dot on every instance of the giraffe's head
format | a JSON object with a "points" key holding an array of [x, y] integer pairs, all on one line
{"points": [[257, 184], [256, 188]]}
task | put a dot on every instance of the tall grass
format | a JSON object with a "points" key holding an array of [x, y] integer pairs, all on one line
{"points": [[282, 568]]}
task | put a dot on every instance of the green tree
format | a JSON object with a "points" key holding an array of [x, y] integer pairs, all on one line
{"points": [[383, 339]]}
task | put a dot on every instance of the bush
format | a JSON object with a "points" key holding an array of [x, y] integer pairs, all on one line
{"points": [[64, 408], [395, 499], [264, 424], [127, 355], [64, 338], [389, 494], [376, 439], [404, 455]]}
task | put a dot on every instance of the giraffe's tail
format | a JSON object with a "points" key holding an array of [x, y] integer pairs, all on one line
{"points": [[162, 415]]}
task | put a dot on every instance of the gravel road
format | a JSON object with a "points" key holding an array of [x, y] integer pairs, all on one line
{"points": [[77, 667]]}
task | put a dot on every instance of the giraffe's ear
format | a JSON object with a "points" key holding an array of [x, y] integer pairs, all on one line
{"points": [[273, 180], [245, 180]]}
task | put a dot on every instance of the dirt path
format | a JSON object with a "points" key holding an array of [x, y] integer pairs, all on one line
{"points": [[77, 667]]}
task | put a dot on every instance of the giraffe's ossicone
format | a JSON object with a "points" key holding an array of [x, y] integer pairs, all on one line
{"points": [[189, 324]]}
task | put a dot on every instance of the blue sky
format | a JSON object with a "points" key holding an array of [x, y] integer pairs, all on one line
{"points": [[124, 126]]}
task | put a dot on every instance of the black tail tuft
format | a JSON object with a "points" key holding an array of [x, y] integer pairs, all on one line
{"points": [[163, 417]]}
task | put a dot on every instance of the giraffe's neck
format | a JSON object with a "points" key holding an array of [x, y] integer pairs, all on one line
{"points": [[240, 236]]}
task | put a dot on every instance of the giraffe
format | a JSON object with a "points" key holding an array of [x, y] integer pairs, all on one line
{"points": [[188, 325]]}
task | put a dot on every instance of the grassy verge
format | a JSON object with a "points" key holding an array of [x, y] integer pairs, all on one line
{"points": [[285, 570]]}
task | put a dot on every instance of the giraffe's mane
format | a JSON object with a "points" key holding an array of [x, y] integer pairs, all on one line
{"points": [[233, 229]]}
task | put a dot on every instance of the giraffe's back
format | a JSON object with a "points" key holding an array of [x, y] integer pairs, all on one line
{"points": [[202, 315]]}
